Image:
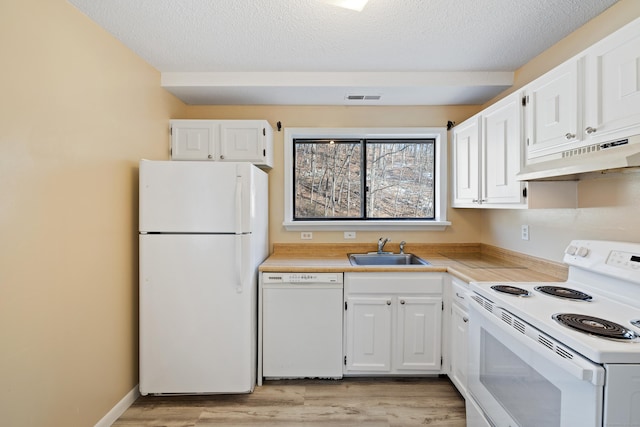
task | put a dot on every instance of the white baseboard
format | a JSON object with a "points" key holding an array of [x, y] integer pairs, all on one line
{"points": [[119, 409]]}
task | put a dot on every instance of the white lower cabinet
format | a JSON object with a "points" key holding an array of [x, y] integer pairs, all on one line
{"points": [[368, 333], [393, 323], [459, 325]]}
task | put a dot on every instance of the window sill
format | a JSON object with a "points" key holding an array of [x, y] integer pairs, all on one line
{"points": [[365, 225]]}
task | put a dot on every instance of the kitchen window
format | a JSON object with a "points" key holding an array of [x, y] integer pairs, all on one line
{"points": [[362, 179]]}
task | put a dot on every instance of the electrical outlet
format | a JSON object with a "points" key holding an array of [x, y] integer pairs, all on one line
{"points": [[524, 232], [349, 234], [306, 235]]}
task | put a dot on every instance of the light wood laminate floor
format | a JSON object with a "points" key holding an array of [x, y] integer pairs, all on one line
{"points": [[348, 402]]}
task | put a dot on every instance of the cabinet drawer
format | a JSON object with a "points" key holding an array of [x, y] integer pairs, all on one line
{"points": [[402, 282], [459, 293]]}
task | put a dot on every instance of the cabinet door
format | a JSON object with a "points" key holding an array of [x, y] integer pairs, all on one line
{"points": [[613, 86], [459, 328], [244, 141], [554, 110], [419, 335], [368, 333], [501, 130], [193, 139], [466, 152]]}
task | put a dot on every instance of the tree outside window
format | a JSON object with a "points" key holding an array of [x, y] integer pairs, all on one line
{"points": [[364, 179]]}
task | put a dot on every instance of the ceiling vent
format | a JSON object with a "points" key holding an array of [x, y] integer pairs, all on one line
{"points": [[363, 97]]}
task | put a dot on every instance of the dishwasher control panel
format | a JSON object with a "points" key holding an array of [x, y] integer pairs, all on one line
{"points": [[301, 278]]}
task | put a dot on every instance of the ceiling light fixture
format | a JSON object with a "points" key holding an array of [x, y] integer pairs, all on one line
{"points": [[348, 4]]}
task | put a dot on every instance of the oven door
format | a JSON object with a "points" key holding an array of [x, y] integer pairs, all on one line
{"points": [[518, 381]]}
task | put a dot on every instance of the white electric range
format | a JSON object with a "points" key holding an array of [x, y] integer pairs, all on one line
{"points": [[560, 354]]}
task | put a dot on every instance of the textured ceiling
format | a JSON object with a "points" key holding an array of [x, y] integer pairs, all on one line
{"points": [[310, 52]]}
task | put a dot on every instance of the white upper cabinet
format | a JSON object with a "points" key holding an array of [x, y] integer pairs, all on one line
{"points": [[553, 110], [246, 141], [223, 140], [193, 139], [487, 157], [613, 86], [502, 143], [466, 161], [590, 99]]}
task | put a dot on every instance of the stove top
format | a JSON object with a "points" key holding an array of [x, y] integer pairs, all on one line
{"points": [[592, 312], [595, 326], [563, 292], [511, 290]]}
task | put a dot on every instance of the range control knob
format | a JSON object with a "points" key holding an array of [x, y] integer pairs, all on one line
{"points": [[582, 251], [571, 250]]}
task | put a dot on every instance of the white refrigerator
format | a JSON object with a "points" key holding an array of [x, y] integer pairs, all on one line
{"points": [[203, 233]]}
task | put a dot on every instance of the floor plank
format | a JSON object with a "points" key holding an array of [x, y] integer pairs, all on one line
{"points": [[368, 402]]}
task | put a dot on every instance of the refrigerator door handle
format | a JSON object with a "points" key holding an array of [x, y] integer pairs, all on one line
{"points": [[238, 202], [239, 284]]}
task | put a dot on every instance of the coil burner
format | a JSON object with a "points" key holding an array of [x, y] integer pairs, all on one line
{"points": [[595, 326], [562, 292], [511, 290]]}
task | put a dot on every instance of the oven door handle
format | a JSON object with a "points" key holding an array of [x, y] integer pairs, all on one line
{"points": [[577, 366]]}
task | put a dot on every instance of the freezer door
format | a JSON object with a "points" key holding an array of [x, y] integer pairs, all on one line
{"points": [[196, 197], [198, 321]]}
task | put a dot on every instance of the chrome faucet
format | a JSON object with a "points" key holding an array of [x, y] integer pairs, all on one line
{"points": [[381, 242], [402, 246]]}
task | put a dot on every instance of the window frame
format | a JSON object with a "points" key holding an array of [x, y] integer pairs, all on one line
{"points": [[438, 223]]}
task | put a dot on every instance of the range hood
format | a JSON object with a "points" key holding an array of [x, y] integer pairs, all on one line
{"points": [[622, 153]]}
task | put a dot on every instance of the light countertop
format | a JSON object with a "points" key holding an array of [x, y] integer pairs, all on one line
{"points": [[467, 261]]}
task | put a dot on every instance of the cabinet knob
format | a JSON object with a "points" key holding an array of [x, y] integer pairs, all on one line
{"points": [[590, 130], [388, 302], [465, 319], [221, 157], [402, 301], [210, 156], [570, 135], [459, 296]]}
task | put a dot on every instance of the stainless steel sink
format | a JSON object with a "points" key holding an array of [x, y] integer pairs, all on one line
{"points": [[386, 259]]}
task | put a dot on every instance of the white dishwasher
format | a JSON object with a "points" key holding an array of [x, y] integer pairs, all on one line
{"points": [[302, 325]]}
